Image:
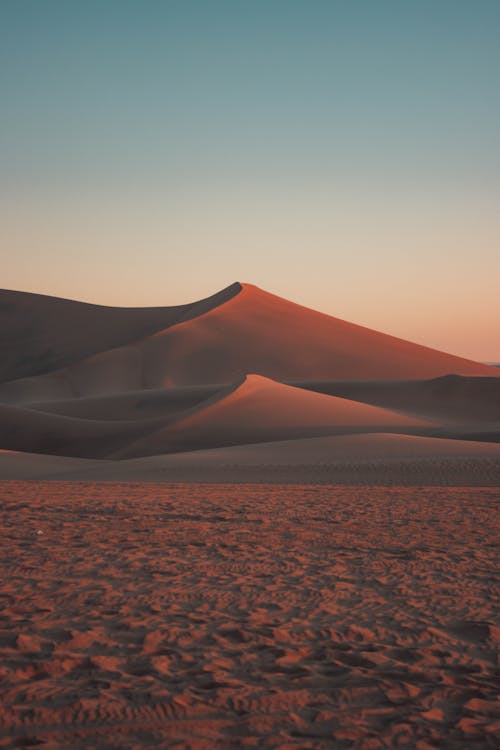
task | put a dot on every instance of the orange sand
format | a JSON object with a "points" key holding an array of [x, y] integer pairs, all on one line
{"points": [[239, 330], [220, 617]]}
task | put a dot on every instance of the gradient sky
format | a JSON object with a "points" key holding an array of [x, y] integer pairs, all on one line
{"points": [[344, 154]]}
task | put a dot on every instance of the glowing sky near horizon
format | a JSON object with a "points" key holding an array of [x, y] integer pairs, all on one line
{"points": [[344, 154]]}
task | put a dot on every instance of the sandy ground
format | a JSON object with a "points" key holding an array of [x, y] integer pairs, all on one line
{"points": [[192, 616], [370, 459]]}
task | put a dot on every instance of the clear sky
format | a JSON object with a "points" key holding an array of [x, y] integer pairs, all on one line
{"points": [[344, 154]]}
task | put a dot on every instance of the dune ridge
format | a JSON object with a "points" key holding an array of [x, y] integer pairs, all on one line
{"points": [[260, 409], [202, 343], [41, 333]]}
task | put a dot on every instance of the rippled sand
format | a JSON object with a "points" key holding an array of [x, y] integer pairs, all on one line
{"points": [[266, 616]]}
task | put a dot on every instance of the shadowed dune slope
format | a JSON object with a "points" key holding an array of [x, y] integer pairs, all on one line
{"points": [[453, 398], [156, 402], [261, 409], [41, 333], [243, 329], [37, 432]]}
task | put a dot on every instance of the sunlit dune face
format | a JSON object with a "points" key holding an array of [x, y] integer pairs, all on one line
{"points": [[258, 332]]}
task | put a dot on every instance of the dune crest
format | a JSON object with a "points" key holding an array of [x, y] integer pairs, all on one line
{"points": [[286, 341], [260, 409], [40, 333], [238, 330]]}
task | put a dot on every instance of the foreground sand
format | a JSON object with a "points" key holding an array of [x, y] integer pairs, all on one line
{"points": [[220, 616]]}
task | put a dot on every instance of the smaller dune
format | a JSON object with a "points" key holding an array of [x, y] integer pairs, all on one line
{"points": [[36, 432], [129, 405], [259, 410], [454, 399]]}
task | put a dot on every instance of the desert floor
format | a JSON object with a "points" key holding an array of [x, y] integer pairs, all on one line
{"points": [[266, 616]]}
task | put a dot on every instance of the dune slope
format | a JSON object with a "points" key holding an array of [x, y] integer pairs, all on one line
{"points": [[36, 432], [259, 332], [41, 333], [261, 409], [455, 399], [242, 329], [129, 405]]}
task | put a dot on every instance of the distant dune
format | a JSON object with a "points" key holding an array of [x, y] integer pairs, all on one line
{"points": [[242, 376]]}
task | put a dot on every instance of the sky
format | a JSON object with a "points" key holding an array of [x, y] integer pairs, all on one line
{"points": [[344, 154]]}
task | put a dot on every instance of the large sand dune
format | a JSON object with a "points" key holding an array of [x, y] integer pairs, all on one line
{"points": [[242, 329], [259, 332], [93, 382]]}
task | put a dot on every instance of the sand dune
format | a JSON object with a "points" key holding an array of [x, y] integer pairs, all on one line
{"points": [[41, 333], [256, 410], [36, 432], [155, 402], [259, 332], [455, 399], [123, 383], [261, 409], [242, 329]]}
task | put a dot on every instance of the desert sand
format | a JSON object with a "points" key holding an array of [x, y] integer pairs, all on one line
{"points": [[223, 616], [242, 523]]}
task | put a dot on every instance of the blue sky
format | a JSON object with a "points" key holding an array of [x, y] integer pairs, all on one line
{"points": [[343, 154]]}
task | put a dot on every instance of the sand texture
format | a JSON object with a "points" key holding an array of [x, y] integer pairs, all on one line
{"points": [[222, 616]]}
